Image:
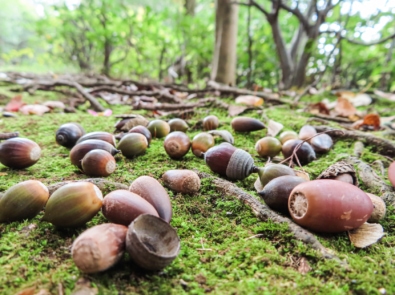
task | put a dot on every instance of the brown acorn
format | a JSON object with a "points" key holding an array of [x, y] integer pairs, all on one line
{"points": [[101, 135], [246, 124], [305, 153], [123, 206], [19, 153], [158, 128], [271, 171], [306, 132], [277, 191], [229, 161], [79, 151], [143, 130], [150, 189], [99, 247], [98, 163], [178, 124], [391, 173], [210, 123], [287, 135], [68, 134], [321, 143], [182, 181], [329, 206], [177, 144], [201, 143], [133, 145], [268, 147], [379, 208]]}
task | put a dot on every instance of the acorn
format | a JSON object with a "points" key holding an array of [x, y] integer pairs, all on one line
{"points": [[379, 208], [151, 242], [142, 130], [68, 134], [246, 124], [305, 152], [226, 160], [23, 200], [277, 191], [19, 153], [271, 171], [123, 206], [321, 143], [201, 143], [306, 132], [391, 172], [79, 151], [287, 135], [182, 181], [150, 189], [158, 128], [268, 147], [73, 204], [101, 135], [178, 124], [210, 123], [177, 144], [99, 247], [98, 163], [329, 206], [133, 145], [341, 171]]}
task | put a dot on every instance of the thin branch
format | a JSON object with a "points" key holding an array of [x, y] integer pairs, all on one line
{"points": [[357, 42], [296, 12]]}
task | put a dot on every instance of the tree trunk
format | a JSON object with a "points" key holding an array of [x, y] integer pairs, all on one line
{"points": [[224, 60], [386, 74], [107, 54], [190, 6]]}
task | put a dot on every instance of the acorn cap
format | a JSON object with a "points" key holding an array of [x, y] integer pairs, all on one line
{"points": [[337, 169]]}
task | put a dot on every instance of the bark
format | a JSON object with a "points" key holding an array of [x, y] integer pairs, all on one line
{"points": [[190, 6], [224, 61], [386, 74]]}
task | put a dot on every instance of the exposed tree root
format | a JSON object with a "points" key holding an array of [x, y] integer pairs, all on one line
{"points": [[104, 185], [264, 213]]}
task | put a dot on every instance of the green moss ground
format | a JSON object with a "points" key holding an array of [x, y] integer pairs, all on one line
{"points": [[233, 263]]}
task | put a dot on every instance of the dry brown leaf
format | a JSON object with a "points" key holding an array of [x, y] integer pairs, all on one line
{"points": [[236, 110], [345, 108], [366, 235], [304, 266], [274, 128], [369, 122], [28, 291], [43, 292], [318, 108], [302, 174], [345, 94], [258, 185], [249, 100], [53, 104], [225, 134]]}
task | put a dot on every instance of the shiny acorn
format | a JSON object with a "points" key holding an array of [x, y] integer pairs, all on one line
{"points": [[178, 124], [287, 135], [68, 134], [73, 204], [201, 143], [268, 147], [329, 206], [246, 124], [151, 190], [271, 171], [123, 206], [306, 132], [210, 123], [101, 135], [99, 247], [79, 151], [151, 242], [98, 163], [182, 181], [305, 152], [133, 145], [23, 200], [226, 160], [158, 128], [142, 130], [177, 144], [19, 153], [321, 143]]}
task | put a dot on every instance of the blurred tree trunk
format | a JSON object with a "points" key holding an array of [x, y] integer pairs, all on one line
{"points": [[190, 6], [386, 74], [224, 60]]}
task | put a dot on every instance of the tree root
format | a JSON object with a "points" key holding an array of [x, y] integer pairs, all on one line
{"points": [[104, 185], [8, 135], [264, 213]]}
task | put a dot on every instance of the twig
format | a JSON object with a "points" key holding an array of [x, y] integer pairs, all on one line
{"points": [[254, 236], [104, 185], [8, 135]]}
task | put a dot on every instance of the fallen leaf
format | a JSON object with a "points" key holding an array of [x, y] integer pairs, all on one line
{"points": [[304, 266], [236, 110], [361, 99], [302, 174], [106, 113], [54, 104], [372, 120], [28, 291], [318, 108], [15, 104], [345, 108], [390, 96], [34, 109], [258, 185], [3, 173], [345, 94], [366, 235], [274, 128], [249, 100], [43, 292], [225, 134]]}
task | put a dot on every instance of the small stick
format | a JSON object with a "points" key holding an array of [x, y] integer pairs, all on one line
{"points": [[8, 135]]}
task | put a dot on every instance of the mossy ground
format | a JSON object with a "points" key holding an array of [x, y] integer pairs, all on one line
{"points": [[219, 254]]}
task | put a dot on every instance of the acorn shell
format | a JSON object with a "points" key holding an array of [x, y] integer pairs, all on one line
{"points": [[178, 124], [379, 208], [158, 128], [306, 132], [150, 189], [321, 143], [305, 153], [151, 242], [268, 147], [182, 181], [99, 247], [142, 130], [68, 134], [133, 145], [210, 123], [19, 153], [98, 163], [23, 200], [201, 143], [79, 151], [271, 171], [287, 135], [123, 206], [101, 135], [329, 206], [177, 144], [246, 124], [73, 204]]}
